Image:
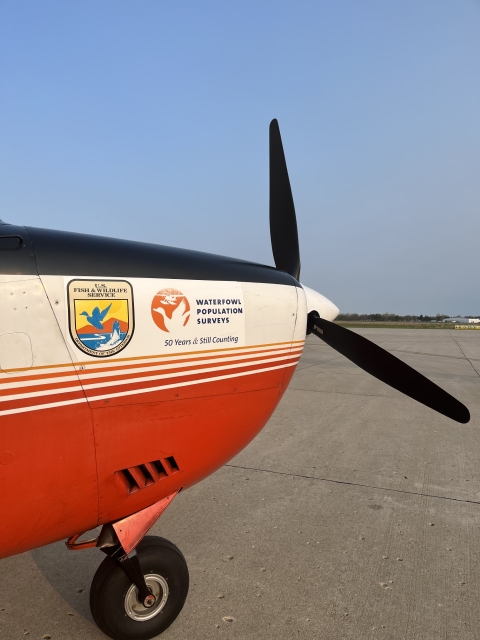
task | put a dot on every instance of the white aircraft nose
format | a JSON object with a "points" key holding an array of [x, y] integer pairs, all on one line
{"points": [[322, 305]]}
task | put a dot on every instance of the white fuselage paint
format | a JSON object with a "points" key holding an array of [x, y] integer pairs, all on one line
{"points": [[36, 337]]}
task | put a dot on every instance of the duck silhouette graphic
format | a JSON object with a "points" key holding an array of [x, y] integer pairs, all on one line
{"points": [[170, 310], [97, 316]]}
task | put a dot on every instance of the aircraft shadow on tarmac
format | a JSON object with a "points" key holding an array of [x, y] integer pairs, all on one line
{"points": [[70, 573]]}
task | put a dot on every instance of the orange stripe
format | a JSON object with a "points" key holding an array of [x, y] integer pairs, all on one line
{"points": [[133, 386], [122, 376], [165, 355], [144, 385], [130, 366], [74, 371], [30, 402]]}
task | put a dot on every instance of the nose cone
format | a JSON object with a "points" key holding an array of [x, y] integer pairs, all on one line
{"points": [[322, 305]]}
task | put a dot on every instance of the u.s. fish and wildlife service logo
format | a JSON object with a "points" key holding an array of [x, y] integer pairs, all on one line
{"points": [[101, 317], [170, 310]]}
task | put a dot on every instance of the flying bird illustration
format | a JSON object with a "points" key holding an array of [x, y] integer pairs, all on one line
{"points": [[177, 321], [97, 316]]}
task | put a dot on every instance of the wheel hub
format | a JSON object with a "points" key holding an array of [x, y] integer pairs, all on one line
{"points": [[152, 605], [149, 601]]}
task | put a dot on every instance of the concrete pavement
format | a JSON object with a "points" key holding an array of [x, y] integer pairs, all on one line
{"points": [[354, 515]]}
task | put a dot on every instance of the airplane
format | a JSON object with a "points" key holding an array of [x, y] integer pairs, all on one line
{"points": [[187, 358]]}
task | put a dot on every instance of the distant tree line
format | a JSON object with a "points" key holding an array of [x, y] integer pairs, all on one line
{"points": [[388, 317]]}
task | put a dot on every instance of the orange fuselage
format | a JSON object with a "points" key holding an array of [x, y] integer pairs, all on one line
{"points": [[88, 438]]}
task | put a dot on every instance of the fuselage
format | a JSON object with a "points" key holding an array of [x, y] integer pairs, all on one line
{"points": [[128, 371]]}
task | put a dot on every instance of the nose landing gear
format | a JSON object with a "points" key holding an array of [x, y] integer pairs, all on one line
{"points": [[122, 610], [141, 586]]}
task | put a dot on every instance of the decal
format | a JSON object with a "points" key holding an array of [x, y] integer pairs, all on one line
{"points": [[100, 313], [170, 310], [196, 315]]}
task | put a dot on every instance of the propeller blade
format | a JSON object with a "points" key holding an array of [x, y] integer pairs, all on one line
{"points": [[283, 222], [387, 368]]}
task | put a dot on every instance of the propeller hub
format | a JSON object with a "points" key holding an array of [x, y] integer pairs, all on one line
{"points": [[322, 305]]}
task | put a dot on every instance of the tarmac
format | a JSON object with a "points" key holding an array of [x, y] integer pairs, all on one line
{"points": [[355, 514]]}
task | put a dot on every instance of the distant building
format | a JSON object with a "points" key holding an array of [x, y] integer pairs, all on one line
{"points": [[463, 320]]}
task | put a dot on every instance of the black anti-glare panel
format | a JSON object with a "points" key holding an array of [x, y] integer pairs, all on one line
{"points": [[66, 253], [16, 253]]}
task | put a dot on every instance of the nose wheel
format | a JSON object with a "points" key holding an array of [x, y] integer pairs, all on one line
{"points": [[118, 607]]}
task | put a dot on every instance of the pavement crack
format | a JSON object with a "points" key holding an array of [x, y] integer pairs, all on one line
{"points": [[468, 359], [317, 364], [342, 393], [423, 353], [352, 484]]}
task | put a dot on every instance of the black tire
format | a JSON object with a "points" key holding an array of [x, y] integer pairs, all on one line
{"points": [[112, 592]]}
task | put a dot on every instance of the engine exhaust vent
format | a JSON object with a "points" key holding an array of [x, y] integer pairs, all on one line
{"points": [[147, 474]]}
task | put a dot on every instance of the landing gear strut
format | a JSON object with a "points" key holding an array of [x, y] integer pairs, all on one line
{"points": [[137, 596], [141, 586]]}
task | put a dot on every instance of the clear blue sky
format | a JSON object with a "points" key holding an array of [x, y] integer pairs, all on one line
{"points": [[149, 120]]}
